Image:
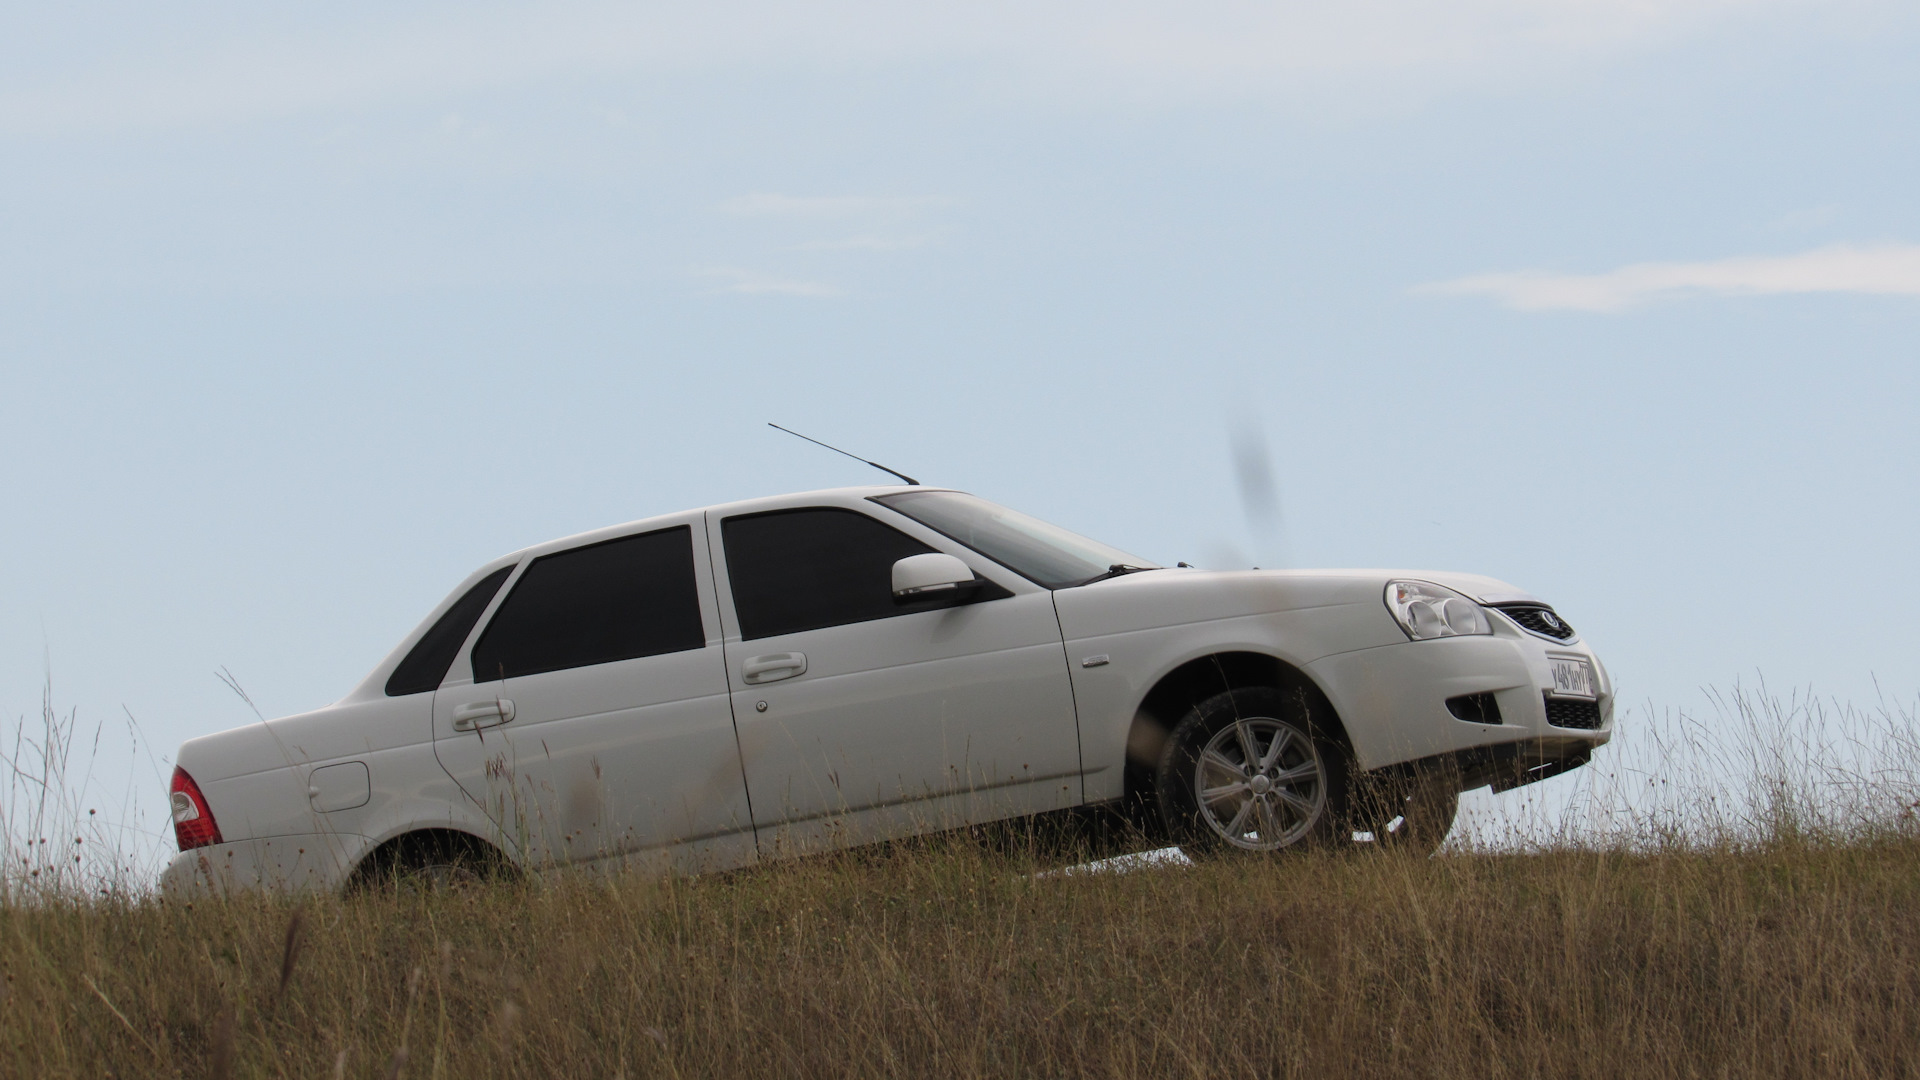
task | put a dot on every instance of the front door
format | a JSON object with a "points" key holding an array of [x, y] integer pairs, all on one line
{"points": [[862, 719], [590, 717]]}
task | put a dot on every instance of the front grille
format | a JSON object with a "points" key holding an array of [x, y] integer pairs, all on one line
{"points": [[1573, 713], [1538, 618]]}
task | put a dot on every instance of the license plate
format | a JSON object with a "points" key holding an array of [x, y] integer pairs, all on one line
{"points": [[1573, 678]]}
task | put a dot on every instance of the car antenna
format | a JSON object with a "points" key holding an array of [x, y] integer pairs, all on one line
{"points": [[910, 480]]}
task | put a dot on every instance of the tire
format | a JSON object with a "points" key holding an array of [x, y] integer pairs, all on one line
{"points": [[1293, 796], [1413, 816], [438, 877], [430, 862]]}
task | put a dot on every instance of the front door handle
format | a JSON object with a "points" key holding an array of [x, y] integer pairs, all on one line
{"points": [[773, 667], [481, 714]]}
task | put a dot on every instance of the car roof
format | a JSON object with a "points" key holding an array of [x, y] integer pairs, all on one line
{"points": [[842, 496]]}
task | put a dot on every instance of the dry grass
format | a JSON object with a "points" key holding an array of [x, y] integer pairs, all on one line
{"points": [[953, 958], [1733, 899]]}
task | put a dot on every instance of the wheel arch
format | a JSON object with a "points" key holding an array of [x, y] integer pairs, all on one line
{"points": [[416, 846], [1199, 679]]}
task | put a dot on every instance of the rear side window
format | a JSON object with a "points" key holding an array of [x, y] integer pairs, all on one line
{"points": [[617, 600], [427, 662], [794, 570]]}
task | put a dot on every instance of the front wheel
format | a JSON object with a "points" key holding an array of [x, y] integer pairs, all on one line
{"points": [[1248, 770]]}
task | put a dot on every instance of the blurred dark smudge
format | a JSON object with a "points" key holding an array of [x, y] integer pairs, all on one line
{"points": [[1259, 491]]}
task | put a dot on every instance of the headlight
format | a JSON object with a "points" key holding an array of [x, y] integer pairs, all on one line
{"points": [[1425, 610]]}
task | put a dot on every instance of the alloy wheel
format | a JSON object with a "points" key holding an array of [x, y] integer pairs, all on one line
{"points": [[1260, 784]]}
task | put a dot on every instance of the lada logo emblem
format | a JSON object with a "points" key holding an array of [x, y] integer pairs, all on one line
{"points": [[1548, 617]]}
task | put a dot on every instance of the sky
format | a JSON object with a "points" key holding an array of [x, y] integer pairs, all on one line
{"points": [[307, 312]]}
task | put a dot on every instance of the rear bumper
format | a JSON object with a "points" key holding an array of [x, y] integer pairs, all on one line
{"points": [[316, 862], [1393, 702]]}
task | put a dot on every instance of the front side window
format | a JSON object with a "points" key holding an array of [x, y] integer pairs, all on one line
{"points": [[1044, 554], [794, 570], [617, 600]]}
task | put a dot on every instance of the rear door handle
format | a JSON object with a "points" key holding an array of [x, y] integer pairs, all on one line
{"points": [[773, 667], [481, 714]]}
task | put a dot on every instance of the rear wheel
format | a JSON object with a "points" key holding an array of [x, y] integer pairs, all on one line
{"points": [[440, 877], [1248, 770], [435, 861]]}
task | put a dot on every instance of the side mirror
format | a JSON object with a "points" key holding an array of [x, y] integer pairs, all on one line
{"points": [[929, 576]]}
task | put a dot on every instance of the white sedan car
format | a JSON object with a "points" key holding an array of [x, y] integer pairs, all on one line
{"points": [[708, 689]]}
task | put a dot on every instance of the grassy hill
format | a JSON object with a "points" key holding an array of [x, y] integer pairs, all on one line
{"points": [[1791, 957]]}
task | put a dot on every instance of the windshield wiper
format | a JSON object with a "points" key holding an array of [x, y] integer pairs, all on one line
{"points": [[1118, 569]]}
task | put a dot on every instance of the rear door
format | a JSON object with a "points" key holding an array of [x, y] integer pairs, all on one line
{"points": [[589, 714], [861, 718]]}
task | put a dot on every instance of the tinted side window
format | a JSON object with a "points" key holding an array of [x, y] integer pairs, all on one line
{"points": [[795, 570], [630, 597], [427, 662]]}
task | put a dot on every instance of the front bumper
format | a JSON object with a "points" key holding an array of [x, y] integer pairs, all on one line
{"points": [[1393, 702], [298, 863]]}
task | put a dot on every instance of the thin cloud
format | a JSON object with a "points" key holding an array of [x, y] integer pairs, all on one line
{"points": [[765, 204], [736, 280], [1883, 270], [867, 243], [1097, 51], [1813, 217]]}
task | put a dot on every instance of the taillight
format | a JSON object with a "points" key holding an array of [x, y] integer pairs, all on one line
{"points": [[193, 824]]}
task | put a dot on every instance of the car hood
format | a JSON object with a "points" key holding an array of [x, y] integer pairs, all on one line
{"points": [[1178, 596]]}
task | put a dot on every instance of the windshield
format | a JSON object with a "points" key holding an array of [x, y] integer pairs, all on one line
{"points": [[1045, 554]]}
